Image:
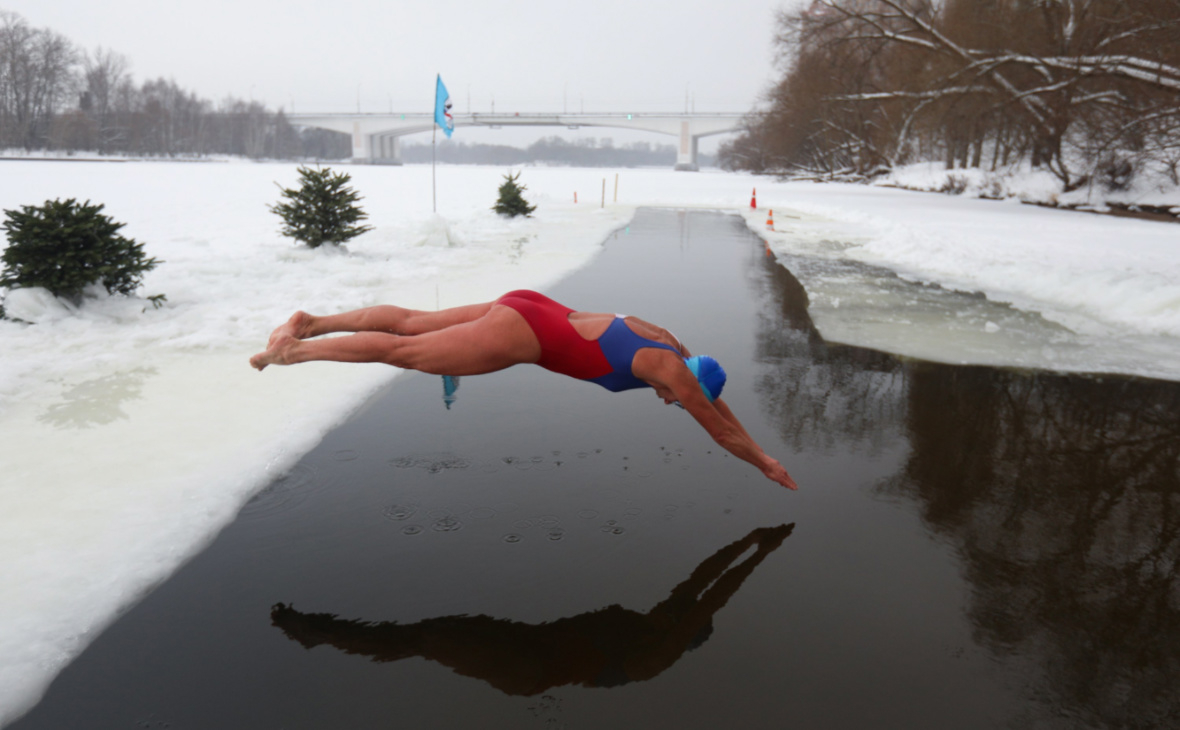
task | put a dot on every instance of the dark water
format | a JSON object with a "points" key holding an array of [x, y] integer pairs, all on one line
{"points": [[971, 547]]}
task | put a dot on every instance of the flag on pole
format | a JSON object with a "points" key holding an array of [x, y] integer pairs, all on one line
{"points": [[442, 108]]}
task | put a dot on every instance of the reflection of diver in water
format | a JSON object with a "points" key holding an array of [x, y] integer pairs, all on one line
{"points": [[605, 648]]}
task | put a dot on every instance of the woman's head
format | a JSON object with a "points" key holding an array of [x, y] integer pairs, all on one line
{"points": [[709, 374]]}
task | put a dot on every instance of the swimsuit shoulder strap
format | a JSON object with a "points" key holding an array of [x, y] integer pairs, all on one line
{"points": [[624, 332]]}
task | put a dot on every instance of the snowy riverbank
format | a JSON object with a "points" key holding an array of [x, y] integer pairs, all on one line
{"points": [[1000, 282]]}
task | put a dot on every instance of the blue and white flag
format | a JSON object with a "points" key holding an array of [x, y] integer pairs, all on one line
{"points": [[442, 108]]}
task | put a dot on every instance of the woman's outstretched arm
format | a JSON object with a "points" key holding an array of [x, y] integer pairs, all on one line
{"points": [[673, 381]]}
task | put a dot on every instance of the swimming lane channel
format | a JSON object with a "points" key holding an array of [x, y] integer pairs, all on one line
{"points": [[970, 547]]}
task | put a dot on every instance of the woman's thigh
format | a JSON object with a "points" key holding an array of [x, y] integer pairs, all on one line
{"points": [[499, 339], [420, 322]]}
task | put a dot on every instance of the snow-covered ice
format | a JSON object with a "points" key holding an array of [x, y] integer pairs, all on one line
{"points": [[960, 279], [132, 434]]}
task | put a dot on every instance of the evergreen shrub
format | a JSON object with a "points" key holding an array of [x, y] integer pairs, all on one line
{"points": [[322, 209], [65, 246], [512, 202]]}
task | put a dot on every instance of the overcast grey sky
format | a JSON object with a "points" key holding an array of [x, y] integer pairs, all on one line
{"points": [[309, 55]]}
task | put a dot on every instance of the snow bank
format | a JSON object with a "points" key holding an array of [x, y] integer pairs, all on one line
{"points": [[1034, 186], [1111, 285], [36, 305]]}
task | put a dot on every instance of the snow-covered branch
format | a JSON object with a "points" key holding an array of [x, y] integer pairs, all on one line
{"points": [[929, 94], [1150, 72]]}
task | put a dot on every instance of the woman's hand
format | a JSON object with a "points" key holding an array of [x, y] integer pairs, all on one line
{"points": [[775, 472]]}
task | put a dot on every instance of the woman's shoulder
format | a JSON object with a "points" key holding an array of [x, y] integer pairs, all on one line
{"points": [[656, 333]]}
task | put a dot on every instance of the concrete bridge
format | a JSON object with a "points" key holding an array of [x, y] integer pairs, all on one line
{"points": [[376, 138]]}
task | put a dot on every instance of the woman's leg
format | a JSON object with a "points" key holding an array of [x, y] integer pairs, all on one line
{"points": [[499, 339], [384, 318]]}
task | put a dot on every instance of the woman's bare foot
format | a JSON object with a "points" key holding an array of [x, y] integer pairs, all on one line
{"points": [[298, 327], [278, 353]]}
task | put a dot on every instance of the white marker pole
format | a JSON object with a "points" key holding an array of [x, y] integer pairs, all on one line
{"points": [[433, 194]]}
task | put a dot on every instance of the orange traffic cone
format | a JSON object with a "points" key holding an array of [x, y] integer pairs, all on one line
{"points": [[770, 220], [754, 199]]}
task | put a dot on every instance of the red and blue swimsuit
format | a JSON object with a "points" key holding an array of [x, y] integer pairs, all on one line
{"points": [[606, 361]]}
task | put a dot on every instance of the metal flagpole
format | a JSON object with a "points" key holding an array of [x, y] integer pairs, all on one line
{"points": [[433, 195]]}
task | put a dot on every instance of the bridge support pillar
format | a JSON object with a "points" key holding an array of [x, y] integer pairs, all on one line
{"points": [[686, 156], [388, 150], [362, 144]]}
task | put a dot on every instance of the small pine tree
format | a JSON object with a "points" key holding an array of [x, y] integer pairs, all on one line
{"points": [[511, 202], [64, 246], [322, 209]]}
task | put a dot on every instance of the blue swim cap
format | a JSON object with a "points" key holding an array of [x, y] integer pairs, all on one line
{"points": [[709, 374]]}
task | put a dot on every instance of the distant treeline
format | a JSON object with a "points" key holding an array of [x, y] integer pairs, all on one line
{"points": [[1088, 89], [552, 150], [55, 96]]}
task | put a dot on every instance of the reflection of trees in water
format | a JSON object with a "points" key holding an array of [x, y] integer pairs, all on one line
{"points": [[604, 648], [1062, 494], [819, 394]]}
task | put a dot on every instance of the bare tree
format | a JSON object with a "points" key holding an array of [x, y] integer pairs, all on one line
{"points": [[104, 71], [876, 82], [36, 79], [16, 39]]}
